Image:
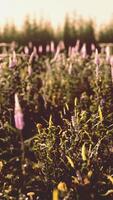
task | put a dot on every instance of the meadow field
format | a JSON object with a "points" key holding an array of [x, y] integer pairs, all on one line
{"points": [[56, 122]]}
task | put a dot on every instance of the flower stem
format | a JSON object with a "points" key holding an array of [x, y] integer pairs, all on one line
{"points": [[23, 153]]}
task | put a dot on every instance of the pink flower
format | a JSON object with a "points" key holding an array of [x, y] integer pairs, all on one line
{"points": [[40, 49], [26, 50], [61, 45], [111, 61], [83, 51], [77, 46], [97, 59], [47, 48], [52, 47], [56, 54], [29, 70], [93, 47], [107, 50], [18, 116], [1, 67], [12, 60], [33, 54], [70, 68], [97, 62], [69, 51]]}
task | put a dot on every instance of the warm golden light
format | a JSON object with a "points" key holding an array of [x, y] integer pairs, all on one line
{"points": [[54, 10]]}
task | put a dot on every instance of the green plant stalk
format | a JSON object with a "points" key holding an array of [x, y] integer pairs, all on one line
{"points": [[23, 152]]}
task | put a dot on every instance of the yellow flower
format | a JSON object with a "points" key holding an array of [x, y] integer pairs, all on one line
{"points": [[62, 187], [1, 165], [30, 194], [55, 194]]}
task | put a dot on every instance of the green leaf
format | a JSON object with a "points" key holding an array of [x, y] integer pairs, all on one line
{"points": [[100, 113], [70, 161], [107, 193], [84, 157], [50, 121]]}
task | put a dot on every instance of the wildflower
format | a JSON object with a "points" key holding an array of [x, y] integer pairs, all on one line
{"points": [[31, 57], [62, 187], [102, 102], [73, 52], [83, 51], [35, 50], [30, 195], [97, 59], [107, 50], [26, 50], [18, 116], [69, 51], [1, 67], [30, 45], [70, 69], [12, 60], [29, 70], [47, 48], [111, 63], [40, 49], [93, 47], [1, 165], [56, 54], [77, 46], [97, 62], [61, 45], [52, 47], [73, 120]]}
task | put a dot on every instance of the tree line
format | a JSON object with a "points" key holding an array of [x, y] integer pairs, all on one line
{"points": [[42, 32]]}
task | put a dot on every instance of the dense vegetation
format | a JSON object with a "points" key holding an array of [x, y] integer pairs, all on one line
{"points": [[56, 123]]}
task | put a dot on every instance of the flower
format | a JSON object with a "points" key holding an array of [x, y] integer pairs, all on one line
{"points": [[107, 54], [40, 49], [1, 165], [111, 61], [77, 46], [83, 51], [30, 194], [1, 67], [26, 50], [93, 47], [97, 59], [12, 60], [47, 48], [29, 70], [18, 116], [62, 187], [52, 47]]}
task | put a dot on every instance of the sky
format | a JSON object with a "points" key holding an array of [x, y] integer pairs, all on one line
{"points": [[55, 10]]}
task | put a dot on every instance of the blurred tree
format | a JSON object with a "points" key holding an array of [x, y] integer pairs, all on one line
{"points": [[86, 33], [106, 33], [69, 32]]}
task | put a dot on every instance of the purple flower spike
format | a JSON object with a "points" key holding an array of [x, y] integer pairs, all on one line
{"points": [[97, 59], [18, 116]]}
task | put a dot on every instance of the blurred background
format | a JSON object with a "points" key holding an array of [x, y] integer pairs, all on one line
{"points": [[42, 21]]}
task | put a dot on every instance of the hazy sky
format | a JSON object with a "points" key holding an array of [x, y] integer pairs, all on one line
{"points": [[55, 10]]}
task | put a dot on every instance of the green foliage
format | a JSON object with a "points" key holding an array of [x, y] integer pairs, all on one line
{"points": [[68, 116]]}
